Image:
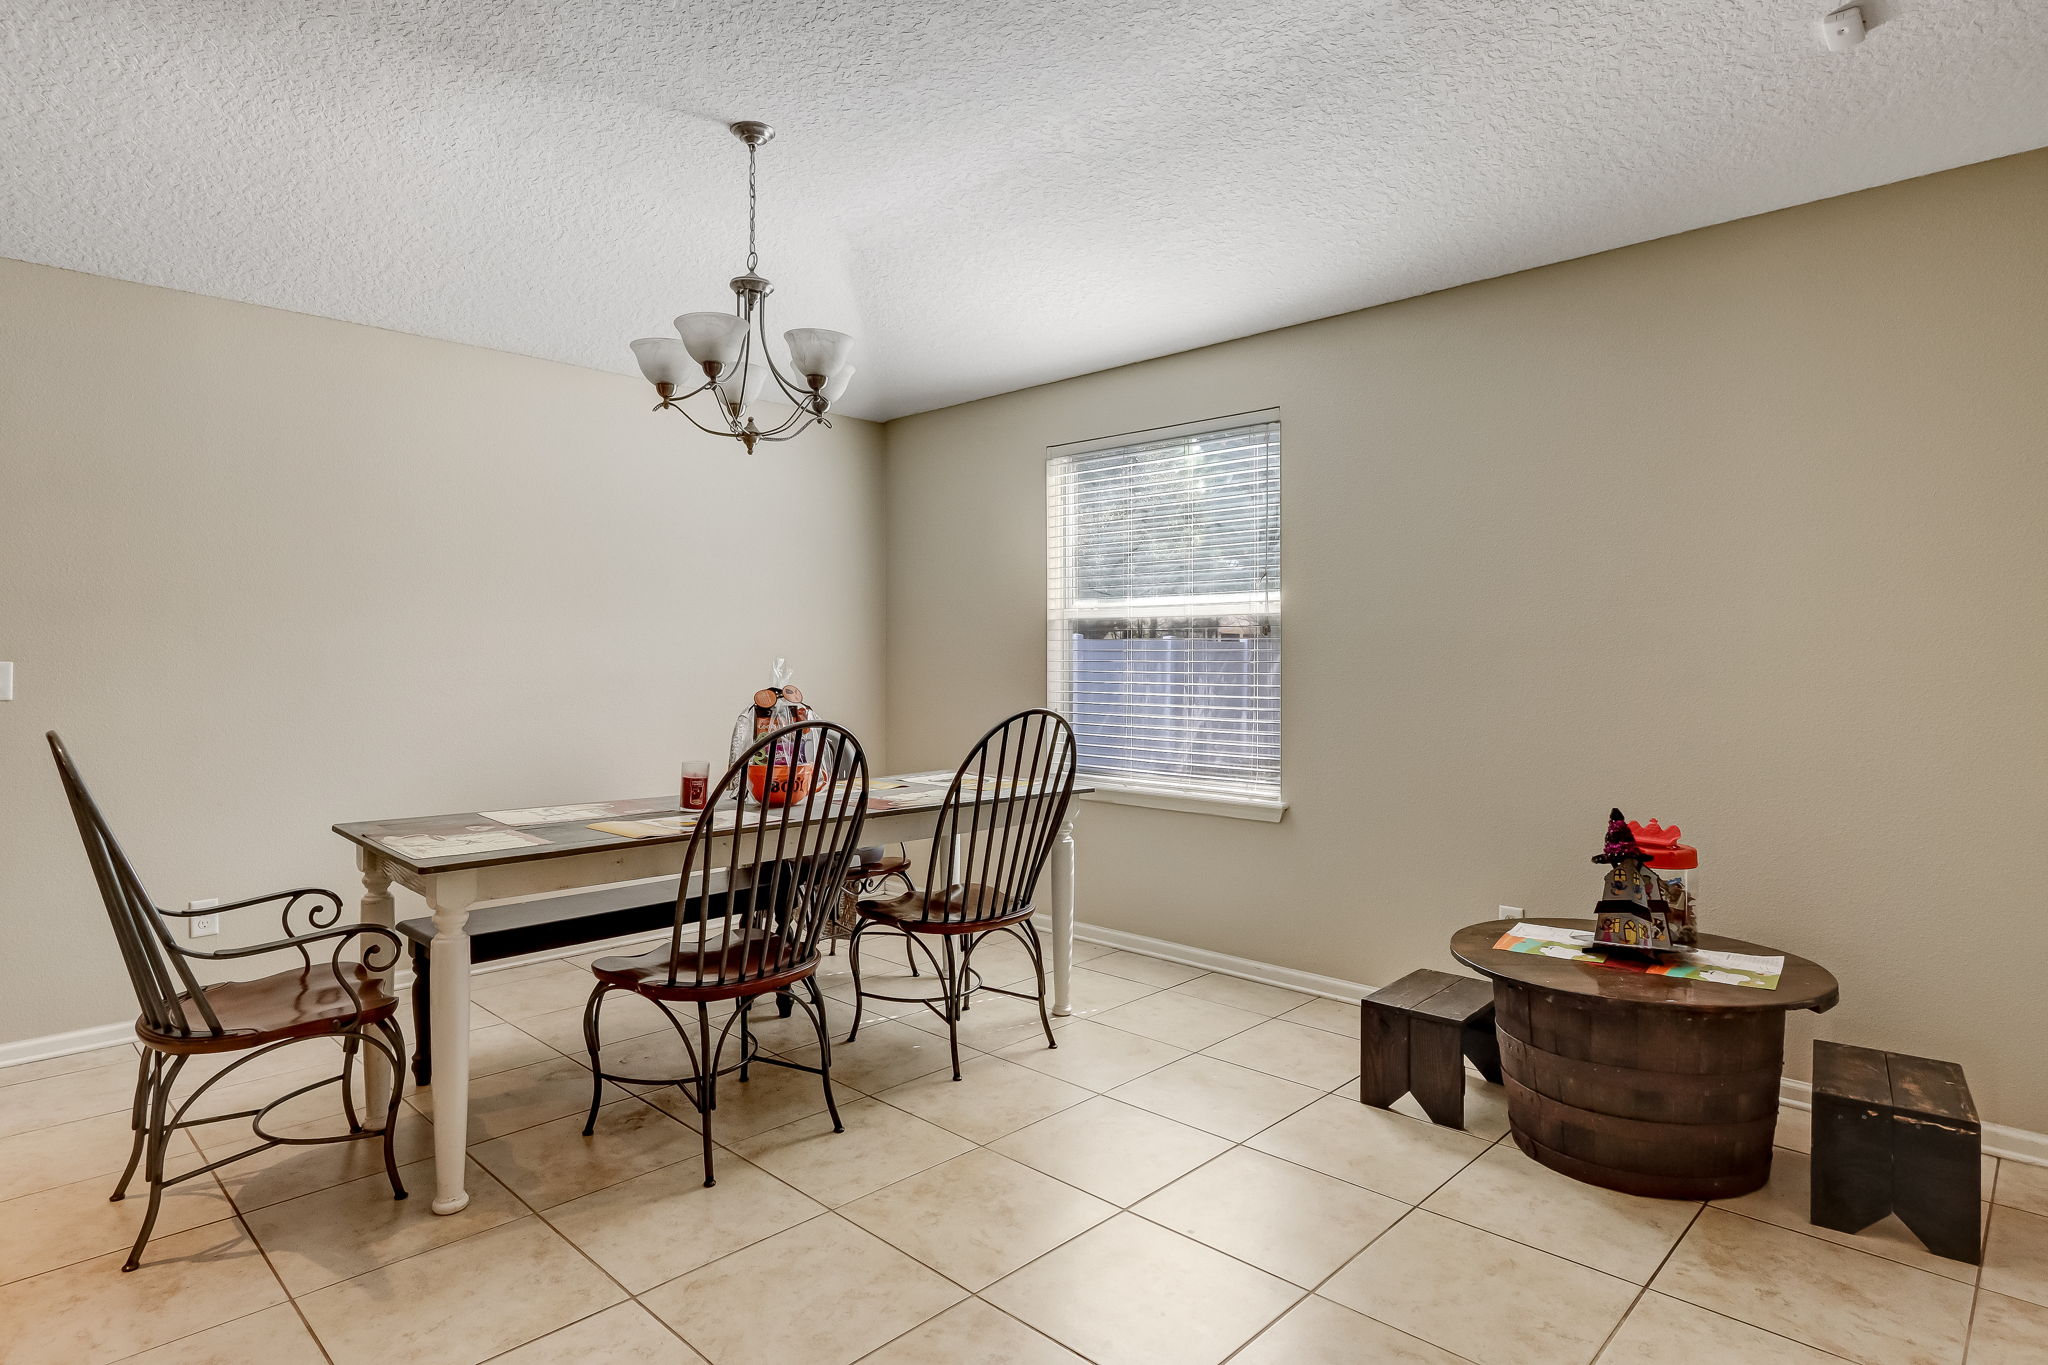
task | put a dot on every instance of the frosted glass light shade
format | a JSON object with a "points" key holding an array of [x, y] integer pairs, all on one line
{"points": [[836, 385], [663, 360], [814, 350], [749, 387], [713, 338]]}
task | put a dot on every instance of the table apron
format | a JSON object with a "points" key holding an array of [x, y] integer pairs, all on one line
{"points": [[633, 863]]}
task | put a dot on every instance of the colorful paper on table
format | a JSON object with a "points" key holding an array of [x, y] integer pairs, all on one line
{"points": [[1570, 944], [1576, 945], [457, 842], [665, 826], [649, 829], [562, 815], [1730, 969]]}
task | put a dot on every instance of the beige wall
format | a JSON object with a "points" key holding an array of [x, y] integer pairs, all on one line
{"points": [[1742, 529], [265, 572]]}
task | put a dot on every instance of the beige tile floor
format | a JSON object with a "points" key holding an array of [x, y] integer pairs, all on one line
{"points": [[1186, 1179]]}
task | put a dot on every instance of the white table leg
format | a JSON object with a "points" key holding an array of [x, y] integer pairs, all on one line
{"points": [[377, 909], [450, 894], [1063, 918]]}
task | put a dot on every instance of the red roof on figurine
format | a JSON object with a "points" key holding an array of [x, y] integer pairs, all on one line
{"points": [[1662, 846]]}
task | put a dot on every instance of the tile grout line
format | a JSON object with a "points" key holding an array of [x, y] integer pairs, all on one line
{"points": [[1648, 1287], [977, 1145], [1333, 1091], [522, 1345], [1316, 1290], [1131, 1208], [230, 1216], [575, 1246], [1644, 1287], [1974, 1281], [271, 1266], [531, 1212]]}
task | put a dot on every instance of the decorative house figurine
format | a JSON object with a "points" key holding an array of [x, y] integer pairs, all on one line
{"points": [[1629, 915], [1667, 855]]}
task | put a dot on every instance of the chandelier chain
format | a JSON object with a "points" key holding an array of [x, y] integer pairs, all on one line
{"points": [[753, 256]]}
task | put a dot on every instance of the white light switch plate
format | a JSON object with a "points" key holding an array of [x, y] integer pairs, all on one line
{"points": [[6, 682], [1510, 912]]}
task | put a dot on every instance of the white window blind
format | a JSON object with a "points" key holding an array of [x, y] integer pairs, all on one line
{"points": [[1163, 608]]}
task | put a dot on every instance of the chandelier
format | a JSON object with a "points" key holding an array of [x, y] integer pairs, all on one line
{"points": [[730, 350]]}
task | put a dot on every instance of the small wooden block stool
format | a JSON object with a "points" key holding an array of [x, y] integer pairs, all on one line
{"points": [[1414, 1034], [1896, 1134]]}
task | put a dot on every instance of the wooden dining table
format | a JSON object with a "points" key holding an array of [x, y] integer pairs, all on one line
{"points": [[568, 855]]}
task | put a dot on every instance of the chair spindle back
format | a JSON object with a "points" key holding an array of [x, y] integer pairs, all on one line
{"points": [[1005, 808], [782, 865], [155, 966]]}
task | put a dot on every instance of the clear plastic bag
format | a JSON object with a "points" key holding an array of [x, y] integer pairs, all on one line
{"points": [[786, 774]]}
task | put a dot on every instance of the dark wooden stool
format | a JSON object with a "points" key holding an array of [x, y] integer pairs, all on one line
{"points": [[1414, 1034], [1896, 1134]]}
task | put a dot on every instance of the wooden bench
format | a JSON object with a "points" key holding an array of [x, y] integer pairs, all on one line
{"points": [[1896, 1134], [497, 932], [1414, 1036]]}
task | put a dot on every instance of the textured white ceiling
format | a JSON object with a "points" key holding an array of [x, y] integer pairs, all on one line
{"points": [[988, 195]]}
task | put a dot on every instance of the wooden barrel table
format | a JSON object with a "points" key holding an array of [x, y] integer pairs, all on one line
{"points": [[1648, 1084]]}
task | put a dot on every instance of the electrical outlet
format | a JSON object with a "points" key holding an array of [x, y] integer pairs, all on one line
{"points": [[1511, 912], [202, 925]]}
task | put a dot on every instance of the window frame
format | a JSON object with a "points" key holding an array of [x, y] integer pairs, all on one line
{"points": [[1131, 790]]}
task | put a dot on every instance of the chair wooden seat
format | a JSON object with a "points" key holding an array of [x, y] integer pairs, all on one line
{"points": [[963, 910], [307, 1003], [765, 964]]}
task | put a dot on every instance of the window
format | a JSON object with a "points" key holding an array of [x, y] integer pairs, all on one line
{"points": [[1163, 619]]}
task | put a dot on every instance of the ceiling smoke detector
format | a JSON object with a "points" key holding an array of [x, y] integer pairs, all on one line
{"points": [[1843, 29]]}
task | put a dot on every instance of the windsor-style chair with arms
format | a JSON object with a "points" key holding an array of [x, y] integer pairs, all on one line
{"points": [[335, 999], [1001, 817], [783, 867]]}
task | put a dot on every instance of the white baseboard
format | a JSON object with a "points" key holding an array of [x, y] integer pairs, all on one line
{"points": [[25, 1050], [1309, 983], [2006, 1143]]}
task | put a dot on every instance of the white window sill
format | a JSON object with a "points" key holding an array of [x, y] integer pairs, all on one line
{"points": [[1230, 807]]}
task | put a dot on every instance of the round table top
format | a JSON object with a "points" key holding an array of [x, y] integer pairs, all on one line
{"points": [[1804, 985]]}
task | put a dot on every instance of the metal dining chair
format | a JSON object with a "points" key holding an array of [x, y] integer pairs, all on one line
{"points": [[782, 868], [336, 999], [995, 831]]}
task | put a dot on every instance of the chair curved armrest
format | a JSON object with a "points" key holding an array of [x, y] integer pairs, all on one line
{"points": [[256, 900], [322, 908], [339, 932]]}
